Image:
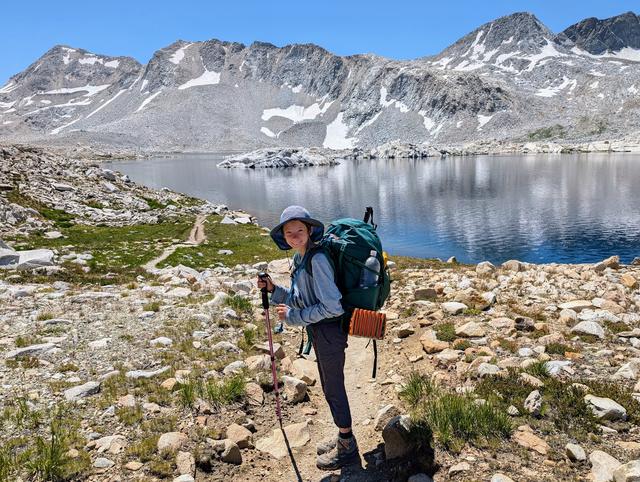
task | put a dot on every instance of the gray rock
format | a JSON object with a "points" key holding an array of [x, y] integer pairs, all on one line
{"points": [[486, 369], [453, 307], [161, 341], [485, 268], [459, 468], [629, 472], [8, 257], [226, 346], [146, 373], [404, 330], [81, 391], [102, 463], [605, 408], [554, 367], [30, 350], [34, 258], [501, 478], [602, 466], [234, 367], [588, 328], [295, 390], [533, 403], [628, 371], [171, 441], [575, 452]]}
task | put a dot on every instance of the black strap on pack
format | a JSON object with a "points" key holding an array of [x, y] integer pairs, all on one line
{"points": [[368, 217]]}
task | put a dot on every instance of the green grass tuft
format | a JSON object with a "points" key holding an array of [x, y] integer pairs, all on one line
{"points": [[445, 331]]}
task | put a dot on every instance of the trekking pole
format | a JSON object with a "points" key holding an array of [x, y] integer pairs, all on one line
{"points": [[265, 306]]}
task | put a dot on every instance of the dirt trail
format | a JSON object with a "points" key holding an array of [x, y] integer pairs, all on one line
{"points": [[196, 236]]}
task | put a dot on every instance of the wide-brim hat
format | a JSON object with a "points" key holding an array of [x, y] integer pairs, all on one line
{"points": [[296, 213]]}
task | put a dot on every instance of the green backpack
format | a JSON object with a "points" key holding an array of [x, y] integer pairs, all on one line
{"points": [[348, 243]]}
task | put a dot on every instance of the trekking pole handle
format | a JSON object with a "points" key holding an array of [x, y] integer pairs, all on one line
{"points": [[265, 294]]}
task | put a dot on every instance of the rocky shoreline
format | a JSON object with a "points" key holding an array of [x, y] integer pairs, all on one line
{"points": [[165, 376]]}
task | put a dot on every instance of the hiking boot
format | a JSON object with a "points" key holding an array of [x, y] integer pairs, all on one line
{"points": [[344, 453], [326, 445]]}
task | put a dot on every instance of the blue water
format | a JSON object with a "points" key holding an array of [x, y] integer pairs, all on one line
{"points": [[538, 208]]}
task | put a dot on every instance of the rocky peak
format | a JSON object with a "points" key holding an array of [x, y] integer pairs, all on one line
{"points": [[601, 36], [62, 69], [516, 35]]}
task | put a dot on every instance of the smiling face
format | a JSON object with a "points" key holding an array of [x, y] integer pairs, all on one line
{"points": [[296, 234]]}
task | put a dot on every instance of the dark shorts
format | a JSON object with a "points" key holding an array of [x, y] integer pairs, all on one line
{"points": [[329, 345]]}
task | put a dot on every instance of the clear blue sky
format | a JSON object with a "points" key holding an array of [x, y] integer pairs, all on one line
{"points": [[397, 29]]}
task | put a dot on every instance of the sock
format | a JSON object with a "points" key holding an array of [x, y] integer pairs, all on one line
{"points": [[347, 435]]}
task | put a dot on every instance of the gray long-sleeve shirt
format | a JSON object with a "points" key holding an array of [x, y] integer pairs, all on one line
{"points": [[311, 298]]}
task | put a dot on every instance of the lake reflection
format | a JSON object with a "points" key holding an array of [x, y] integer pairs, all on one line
{"points": [[542, 208]]}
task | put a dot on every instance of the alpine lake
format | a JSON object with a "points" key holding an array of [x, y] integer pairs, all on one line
{"points": [[565, 208]]}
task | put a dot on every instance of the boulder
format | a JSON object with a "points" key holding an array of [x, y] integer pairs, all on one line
{"points": [[231, 453], [603, 466], [8, 257], [397, 437], [171, 441], [512, 265], [533, 403], [305, 370], [471, 330], [30, 350], [485, 269], [81, 391], [238, 434], [588, 328], [34, 258], [629, 472], [294, 389], [612, 262], [453, 307], [525, 437], [628, 280], [297, 434], [605, 408], [384, 415], [425, 294], [575, 453], [134, 374]]}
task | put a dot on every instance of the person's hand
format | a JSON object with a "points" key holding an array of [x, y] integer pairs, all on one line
{"points": [[282, 311], [266, 283]]}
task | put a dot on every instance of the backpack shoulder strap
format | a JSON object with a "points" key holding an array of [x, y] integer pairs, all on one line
{"points": [[308, 266]]}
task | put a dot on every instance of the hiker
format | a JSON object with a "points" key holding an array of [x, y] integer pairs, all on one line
{"points": [[314, 302]]}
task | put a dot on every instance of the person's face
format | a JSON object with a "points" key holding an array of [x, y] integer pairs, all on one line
{"points": [[296, 234]]}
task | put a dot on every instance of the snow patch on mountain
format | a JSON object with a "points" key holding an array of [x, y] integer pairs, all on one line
{"points": [[207, 78], [147, 100], [336, 137]]}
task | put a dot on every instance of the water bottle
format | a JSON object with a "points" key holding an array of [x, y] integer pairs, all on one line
{"points": [[369, 277]]}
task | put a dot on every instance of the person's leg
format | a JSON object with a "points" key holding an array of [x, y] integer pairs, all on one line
{"points": [[330, 344]]}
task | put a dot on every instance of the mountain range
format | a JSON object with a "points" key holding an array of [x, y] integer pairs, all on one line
{"points": [[510, 79]]}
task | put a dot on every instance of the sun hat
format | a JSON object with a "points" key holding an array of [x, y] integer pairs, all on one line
{"points": [[293, 213]]}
